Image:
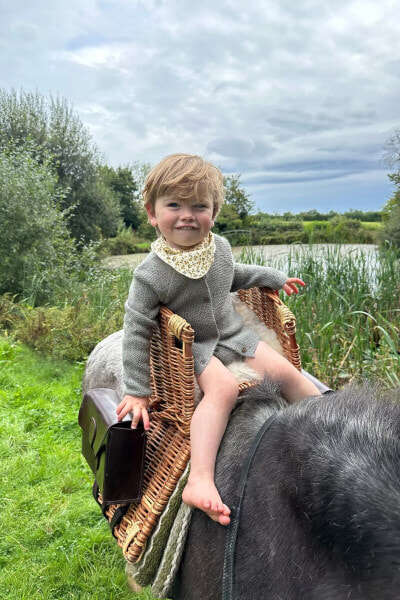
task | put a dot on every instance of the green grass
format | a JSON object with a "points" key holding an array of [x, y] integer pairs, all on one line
{"points": [[55, 544], [373, 225]]}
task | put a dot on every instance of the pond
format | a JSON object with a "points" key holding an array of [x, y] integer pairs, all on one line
{"points": [[276, 254]]}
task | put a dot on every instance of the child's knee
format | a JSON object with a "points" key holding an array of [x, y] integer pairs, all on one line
{"points": [[222, 387], [228, 386]]}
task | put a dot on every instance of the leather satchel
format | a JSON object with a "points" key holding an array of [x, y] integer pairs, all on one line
{"points": [[113, 450]]}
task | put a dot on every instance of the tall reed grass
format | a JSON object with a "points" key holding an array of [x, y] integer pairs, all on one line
{"points": [[348, 316]]}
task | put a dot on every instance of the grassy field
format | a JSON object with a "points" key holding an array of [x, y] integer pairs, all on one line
{"points": [[55, 544]]}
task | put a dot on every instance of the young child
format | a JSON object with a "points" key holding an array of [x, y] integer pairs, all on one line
{"points": [[192, 271]]}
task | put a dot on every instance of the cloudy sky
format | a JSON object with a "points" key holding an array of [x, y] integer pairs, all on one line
{"points": [[298, 97]]}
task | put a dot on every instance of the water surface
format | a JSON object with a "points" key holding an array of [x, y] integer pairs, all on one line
{"points": [[271, 253]]}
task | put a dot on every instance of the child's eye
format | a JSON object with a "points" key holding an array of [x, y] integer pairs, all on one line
{"points": [[173, 204], [200, 206]]}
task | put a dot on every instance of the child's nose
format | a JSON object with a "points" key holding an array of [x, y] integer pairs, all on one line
{"points": [[187, 212]]}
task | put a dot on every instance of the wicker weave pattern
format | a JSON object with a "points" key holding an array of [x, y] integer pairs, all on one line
{"points": [[172, 381], [276, 315]]}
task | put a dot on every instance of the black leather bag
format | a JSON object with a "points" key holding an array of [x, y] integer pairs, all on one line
{"points": [[113, 450]]}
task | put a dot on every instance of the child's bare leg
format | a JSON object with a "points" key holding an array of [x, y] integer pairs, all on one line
{"points": [[207, 428], [294, 385]]}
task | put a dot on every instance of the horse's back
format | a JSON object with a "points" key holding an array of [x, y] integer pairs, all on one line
{"points": [[321, 509]]}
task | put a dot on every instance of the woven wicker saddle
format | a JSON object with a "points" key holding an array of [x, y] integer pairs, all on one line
{"points": [[173, 385]]}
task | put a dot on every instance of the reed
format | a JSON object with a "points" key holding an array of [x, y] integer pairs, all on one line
{"points": [[348, 315]]}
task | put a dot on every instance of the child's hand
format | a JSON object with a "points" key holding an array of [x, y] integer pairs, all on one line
{"points": [[290, 285], [138, 407]]}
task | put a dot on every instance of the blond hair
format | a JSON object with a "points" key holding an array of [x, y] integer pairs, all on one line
{"points": [[186, 176]]}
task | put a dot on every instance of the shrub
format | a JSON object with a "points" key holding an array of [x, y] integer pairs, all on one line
{"points": [[391, 232], [59, 138], [35, 246], [87, 311], [125, 242], [70, 332]]}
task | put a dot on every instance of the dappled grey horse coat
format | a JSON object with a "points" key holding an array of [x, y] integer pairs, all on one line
{"points": [[320, 518]]}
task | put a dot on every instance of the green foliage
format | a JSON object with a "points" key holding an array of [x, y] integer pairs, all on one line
{"points": [[391, 219], [140, 170], [85, 312], [235, 212], [236, 196], [122, 182], [392, 156], [391, 232], [341, 230], [69, 332], [96, 211], [125, 242], [35, 246], [359, 215], [372, 225], [228, 219], [55, 131], [369, 216], [346, 230]]}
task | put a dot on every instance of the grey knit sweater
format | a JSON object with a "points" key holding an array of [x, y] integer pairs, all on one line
{"points": [[205, 303]]}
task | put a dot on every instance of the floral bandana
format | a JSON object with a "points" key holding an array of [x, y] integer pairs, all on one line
{"points": [[193, 262]]}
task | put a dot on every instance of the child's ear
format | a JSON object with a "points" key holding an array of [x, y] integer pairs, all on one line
{"points": [[151, 214]]}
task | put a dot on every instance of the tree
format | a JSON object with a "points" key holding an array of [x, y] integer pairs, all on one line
{"points": [[391, 210], [392, 229], [228, 219], [123, 184], [140, 171], [391, 219], [236, 196], [35, 247], [95, 211], [54, 130], [391, 156]]}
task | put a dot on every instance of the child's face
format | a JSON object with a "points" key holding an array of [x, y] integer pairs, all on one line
{"points": [[183, 223]]}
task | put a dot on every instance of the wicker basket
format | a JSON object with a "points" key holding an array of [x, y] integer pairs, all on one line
{"points": [[172, 381]]}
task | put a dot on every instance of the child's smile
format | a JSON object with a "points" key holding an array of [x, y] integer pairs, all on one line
{"points": [[183, 223]]}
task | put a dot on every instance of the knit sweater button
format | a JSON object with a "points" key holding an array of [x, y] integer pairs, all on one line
{"points": [[244, 349], [215, 336], [206, 299]]}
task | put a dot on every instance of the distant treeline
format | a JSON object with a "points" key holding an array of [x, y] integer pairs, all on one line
{"points": [[370, 216], [309, 228]]}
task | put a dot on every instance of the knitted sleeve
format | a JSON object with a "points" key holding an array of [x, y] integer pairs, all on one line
{"points": [[141, 310], [247, 276]]}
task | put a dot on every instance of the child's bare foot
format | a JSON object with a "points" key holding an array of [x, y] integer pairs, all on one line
{"points": [[202, 494]]}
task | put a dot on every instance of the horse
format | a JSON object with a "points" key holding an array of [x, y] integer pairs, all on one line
{"points": [[320, 514]]}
